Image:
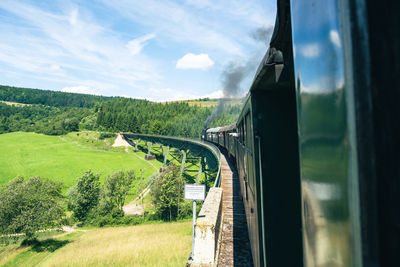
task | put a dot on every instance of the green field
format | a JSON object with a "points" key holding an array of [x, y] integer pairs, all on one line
{"points": [[65, 158], [166, 244]]}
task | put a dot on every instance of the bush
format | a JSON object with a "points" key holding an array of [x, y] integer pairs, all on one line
{"points": [[85, 195], [103, 136], [117, 219], [27, 206], [116, 189], [167, 193]]}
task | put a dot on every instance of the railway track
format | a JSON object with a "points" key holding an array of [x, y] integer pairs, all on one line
{"points": [[235, 247]]}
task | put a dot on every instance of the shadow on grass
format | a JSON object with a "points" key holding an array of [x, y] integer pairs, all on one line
{"points": [[50, 245]]}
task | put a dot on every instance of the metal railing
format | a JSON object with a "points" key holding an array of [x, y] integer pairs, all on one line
{"points": [[199, 147]]}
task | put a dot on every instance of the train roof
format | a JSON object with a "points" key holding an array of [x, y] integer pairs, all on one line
{"points": [[222, 129], [213, 130], [227, 128]]}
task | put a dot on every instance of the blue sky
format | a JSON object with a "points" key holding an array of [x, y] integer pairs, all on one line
{"points": [[157, 50]]}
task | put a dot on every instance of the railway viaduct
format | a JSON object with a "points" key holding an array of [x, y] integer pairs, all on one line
{"points": [[221, 236]]}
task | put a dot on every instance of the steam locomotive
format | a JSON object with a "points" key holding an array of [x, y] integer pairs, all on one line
{"points": [[317, 143]]}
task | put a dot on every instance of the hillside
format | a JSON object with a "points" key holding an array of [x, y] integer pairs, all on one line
{"points": [[58, 113], [49, 98], [65, 158]]}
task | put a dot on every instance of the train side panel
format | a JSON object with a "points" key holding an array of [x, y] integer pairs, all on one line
{"points": [[247, 169], [349, 142]]}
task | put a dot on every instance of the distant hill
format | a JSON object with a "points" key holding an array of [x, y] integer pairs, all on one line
{"points": [[49, 98], [57, 113]]}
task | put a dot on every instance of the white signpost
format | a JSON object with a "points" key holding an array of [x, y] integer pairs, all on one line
{"points": [[194, 192]]}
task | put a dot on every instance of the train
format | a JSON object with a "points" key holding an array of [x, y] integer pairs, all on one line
{"points": [[317, 143]]}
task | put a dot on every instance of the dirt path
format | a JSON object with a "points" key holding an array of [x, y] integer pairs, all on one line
{"points": [[120, 141], [133, 208], [66, 229]]}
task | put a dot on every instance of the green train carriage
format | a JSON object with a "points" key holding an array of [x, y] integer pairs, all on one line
{"points": [[316, 144]]}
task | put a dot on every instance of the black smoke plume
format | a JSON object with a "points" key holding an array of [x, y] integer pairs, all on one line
{"points": [[263, 34], [232, 77], [236, 72]]}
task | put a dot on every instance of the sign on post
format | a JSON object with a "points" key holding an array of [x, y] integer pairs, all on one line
{"points": [[195, 191]]}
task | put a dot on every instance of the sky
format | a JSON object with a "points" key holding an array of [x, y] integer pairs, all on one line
{"points": [[156, 50]]}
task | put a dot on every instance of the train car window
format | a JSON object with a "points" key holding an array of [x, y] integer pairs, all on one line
{"points": [[244, 130], [249, 151], [240, 132], [248, 141]]}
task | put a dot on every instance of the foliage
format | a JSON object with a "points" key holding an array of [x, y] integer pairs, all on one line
{"points": [[27, 206], [41, 119], [84, 196], [113, 217], [57, 113], [103, 136], [167, 193], [116, 189], [229, 115], [49, 98], [174, 119], [70, 124]]}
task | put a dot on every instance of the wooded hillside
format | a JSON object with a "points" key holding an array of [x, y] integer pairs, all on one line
{"points": [[56, 113]]}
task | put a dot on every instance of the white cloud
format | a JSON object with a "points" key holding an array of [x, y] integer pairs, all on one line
{"points": [[294, 51], [55, 67], [310, 50], [168, 94], [177, 21], [67, 43], [334, 37], [216, 94], [73, 17], [68, 48], [79, 89], [324, 85], [136, 45], [192, 61]]}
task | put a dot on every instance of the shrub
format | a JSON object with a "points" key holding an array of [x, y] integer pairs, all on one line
{"points": [[116, 189], [103, 136], [27, 206], [167, 193], [85, 195]]}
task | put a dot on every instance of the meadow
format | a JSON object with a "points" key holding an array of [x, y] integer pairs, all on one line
{"points": [[13, 103], [163, 244], [65, 158], [210, 103]]}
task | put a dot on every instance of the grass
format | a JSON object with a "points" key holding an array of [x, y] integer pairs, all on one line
{"points": [[65, 158], [165, 244], [14, 103]]}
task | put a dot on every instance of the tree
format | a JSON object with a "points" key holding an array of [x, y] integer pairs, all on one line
{"points": [[70, 124], [166, 192], [27, 206], [84, 195], [116, 189]]}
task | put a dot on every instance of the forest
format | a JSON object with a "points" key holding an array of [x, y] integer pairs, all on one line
{"points": [[57, 113], [49, 98]]}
